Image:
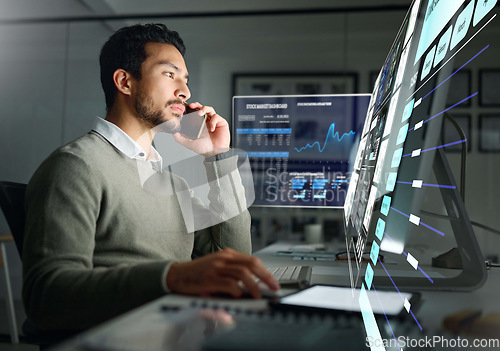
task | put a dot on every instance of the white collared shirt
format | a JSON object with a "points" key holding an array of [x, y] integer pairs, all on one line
{"points": [[125, 144]]}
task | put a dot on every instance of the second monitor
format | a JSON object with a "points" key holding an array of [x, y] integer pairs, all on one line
{"points": [[300, 146]]}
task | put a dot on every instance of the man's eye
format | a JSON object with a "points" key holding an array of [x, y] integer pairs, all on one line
{"points": [[169, 74]]}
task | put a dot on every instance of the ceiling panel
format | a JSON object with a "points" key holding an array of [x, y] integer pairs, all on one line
{"points": [[23, 9], [151, 6]]}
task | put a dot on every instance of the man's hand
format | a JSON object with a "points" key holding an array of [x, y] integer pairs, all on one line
{"points": [[220, 272], [214, 138]]}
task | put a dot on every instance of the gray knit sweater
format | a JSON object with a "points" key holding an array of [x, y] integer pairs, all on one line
{"points": [[97, 243]]}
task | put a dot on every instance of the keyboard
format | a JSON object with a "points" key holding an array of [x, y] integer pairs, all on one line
{"points": [[292, 276]]}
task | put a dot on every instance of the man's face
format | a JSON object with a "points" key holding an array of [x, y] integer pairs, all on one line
{"points": [[160, 93]]}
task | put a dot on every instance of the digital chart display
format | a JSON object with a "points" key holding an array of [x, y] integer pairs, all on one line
{"points": [[299, 146]]}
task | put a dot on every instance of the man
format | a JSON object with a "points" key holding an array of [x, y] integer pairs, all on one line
{"points": [[96, 242]]}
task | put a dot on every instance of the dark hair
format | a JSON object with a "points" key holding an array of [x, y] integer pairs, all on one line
{"points": [[125, 50]]}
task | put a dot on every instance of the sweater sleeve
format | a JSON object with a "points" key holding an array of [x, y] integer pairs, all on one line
{"points": [[61, 289]]}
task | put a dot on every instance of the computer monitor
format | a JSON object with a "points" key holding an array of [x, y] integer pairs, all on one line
{"points": [[400, 159], [299, 146]]}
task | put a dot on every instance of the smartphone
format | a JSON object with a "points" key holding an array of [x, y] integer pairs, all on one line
{"points": [[322, 298], [192, 123]]}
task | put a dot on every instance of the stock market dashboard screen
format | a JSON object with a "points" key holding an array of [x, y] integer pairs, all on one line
{"points": [[299, 146]]}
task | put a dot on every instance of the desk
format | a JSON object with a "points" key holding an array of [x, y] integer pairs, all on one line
{"points": [[147, 325]]}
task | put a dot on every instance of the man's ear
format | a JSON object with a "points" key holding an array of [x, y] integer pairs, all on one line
{"points": [[122, 80]]}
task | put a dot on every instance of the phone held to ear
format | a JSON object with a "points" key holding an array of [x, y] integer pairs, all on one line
{"points": [[192, 123]]}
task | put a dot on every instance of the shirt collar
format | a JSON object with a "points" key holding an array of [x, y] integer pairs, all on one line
{"points": [[124, 143]]}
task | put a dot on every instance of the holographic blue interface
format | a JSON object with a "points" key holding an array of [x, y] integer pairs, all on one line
{"points": [[299, 146], [401, 137]]}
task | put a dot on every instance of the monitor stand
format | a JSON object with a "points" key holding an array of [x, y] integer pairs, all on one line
{"points": [[473, 273]]}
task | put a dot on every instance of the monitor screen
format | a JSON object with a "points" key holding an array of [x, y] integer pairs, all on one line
{"points": [[400, 158], [299, 146]]}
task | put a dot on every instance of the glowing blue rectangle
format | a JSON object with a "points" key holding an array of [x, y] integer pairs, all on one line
{"points": [[408, 110], [391, 181], [428, 63], [319, 183], [437, 16], [396, 158], [264, 131], [368, 276], [403, 132], [379, 231], [482, 10], [374, 253], [371, 327], [386, 205], [442, 47], [462, 25]]}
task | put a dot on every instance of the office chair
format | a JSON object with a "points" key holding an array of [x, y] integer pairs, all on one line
{"points": [[12, 204], [9, 299]]}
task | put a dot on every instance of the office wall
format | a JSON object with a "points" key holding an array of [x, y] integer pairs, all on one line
{"points": [[50, 91]]}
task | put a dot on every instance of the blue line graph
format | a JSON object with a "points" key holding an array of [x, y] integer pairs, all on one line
{"points": [[331, 135]]}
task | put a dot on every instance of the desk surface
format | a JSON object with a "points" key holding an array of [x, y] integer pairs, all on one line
{"points": [[151, 323]]}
